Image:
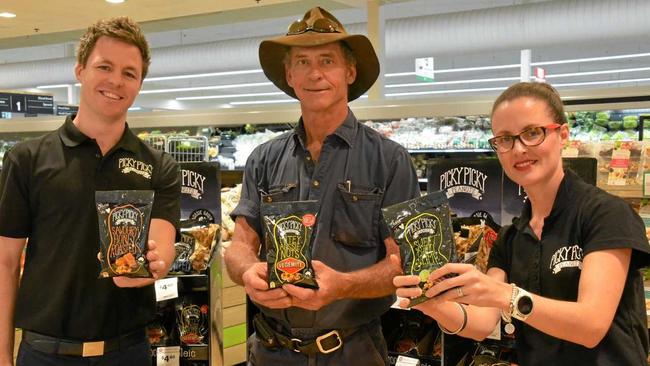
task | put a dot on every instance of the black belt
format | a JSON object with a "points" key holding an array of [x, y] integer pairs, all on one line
{"points": [[327, 342], [67, 347]]}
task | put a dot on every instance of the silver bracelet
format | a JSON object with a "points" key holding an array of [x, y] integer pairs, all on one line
{"points": [[507, 317], [462, 326]]}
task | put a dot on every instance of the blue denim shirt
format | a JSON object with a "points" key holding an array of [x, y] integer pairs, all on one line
{"points": [[358, 172]]}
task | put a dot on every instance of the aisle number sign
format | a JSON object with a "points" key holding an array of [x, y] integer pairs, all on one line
{"points": [[167, 288], [424, 69], [168, 356], [26, 103]]}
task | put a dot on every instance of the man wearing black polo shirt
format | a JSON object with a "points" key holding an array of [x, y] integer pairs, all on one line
{"points": [[68, 315], [352, 171]]}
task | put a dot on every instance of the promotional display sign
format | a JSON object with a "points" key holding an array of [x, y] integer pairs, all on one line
{"points": [[473, 186], [200, 192]]}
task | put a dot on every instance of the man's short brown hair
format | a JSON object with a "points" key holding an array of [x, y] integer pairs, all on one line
{"points": [[121, 28]]}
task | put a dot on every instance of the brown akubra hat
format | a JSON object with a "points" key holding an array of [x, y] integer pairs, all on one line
{"points": [[316, 28]]}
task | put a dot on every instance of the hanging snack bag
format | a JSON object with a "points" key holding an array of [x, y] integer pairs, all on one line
{"points": [[202, 237], [422, 229], [124, 218], [288, 227]]}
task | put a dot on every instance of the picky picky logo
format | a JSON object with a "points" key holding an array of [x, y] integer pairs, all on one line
{"points": [[192, 183], [130, 165], [463, 180]]}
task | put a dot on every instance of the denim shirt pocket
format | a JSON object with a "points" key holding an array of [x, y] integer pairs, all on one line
{"points": [[356, 215], [280, 193]]}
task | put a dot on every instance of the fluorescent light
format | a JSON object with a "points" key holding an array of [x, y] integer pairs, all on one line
{"points": [[604, 82], [225, 96], [135, 108], [601, 72], [264, 102], [54, 86], [463, 69], [452, 82], [198, 88], [590, 59], [6, 14], [115, 1], [205, 75], [444, 91]]}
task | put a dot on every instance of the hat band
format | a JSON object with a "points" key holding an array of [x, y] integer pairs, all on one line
{"points": [[322, 25]]}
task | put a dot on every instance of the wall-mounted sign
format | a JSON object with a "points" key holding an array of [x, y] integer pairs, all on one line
{"points": [[64, 109], [424, 68], [26, 103], [40, 104]]}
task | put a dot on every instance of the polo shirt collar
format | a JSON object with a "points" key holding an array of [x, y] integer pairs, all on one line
{"points": [[562, 201], [72, 136], [347, 131]]}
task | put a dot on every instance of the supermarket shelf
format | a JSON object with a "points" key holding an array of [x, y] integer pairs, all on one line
{"points": [[363, 109], [624, 191]]}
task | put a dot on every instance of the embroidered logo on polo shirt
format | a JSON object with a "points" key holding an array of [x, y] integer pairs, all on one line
{"points": [[463, 180], [130, 165], [566, 257]]}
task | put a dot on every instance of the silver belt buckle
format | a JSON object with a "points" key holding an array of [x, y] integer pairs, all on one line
{"points": [[93, 349], [327, 335]]}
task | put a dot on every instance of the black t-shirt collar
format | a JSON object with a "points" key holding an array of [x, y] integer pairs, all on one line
{"points": [[72, 136], [562, 201]]}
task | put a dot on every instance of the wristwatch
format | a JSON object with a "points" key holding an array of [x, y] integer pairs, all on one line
{"points": [[522, 304]]}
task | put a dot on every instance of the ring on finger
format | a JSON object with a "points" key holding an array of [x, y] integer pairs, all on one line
{"points": [[460, 292]]}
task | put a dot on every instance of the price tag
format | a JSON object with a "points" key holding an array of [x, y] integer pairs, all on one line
{"points": [[168, 356], [407, 361], [167, 288]]}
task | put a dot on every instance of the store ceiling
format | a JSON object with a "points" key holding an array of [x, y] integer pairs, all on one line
{"points": [[201, 22], [54, 21]]}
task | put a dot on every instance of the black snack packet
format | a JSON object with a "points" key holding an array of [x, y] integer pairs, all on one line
{"points": [[192, 321], [124, 218], [422, 229], [288, 227]]}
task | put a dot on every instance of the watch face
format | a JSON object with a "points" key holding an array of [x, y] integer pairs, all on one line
{"points": [[525, 305]]}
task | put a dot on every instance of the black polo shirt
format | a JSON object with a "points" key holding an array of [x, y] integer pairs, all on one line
{"points": [[584, 219], [350, 232], [48, 195]]}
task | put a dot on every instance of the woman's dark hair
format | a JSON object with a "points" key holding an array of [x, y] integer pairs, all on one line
{"points": [[540, 91]]}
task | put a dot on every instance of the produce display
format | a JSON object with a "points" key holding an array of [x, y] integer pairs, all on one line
{"points": [[603, 126], [471, 132], [244, 145]]}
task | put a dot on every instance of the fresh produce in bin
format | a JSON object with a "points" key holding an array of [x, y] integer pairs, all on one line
{"points": [[615, 125], [630, 122]]}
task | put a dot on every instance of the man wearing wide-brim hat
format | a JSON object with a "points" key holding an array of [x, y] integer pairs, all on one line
{"points": [[352, 172]]}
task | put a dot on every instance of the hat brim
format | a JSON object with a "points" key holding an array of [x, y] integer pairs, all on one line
{"points": [[273, 51]]}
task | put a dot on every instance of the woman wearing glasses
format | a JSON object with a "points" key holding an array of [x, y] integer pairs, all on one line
{"points": [[565, 275]]}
